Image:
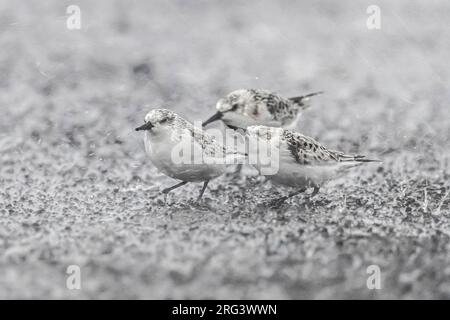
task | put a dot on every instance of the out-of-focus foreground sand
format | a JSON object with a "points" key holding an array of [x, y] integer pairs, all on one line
{"points": [[76, 187]]}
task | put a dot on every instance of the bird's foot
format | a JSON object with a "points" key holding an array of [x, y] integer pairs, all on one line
{"points": [[310, 201], [277, 203], [166, 191], [235, 175]]}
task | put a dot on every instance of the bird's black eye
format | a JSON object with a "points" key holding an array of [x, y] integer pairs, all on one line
{"points": [[234, 107], [163, 120]]}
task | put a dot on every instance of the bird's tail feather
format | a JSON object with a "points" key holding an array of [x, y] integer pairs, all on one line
{"points": [[302, 100], [356, 158]]}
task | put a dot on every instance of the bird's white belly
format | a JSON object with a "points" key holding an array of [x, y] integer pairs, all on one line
{"points": [[160, 151], [244, 121], [293, 174]]}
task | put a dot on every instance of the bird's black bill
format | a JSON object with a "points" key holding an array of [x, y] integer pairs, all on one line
{"points": [[146, 126], [215, 117]]}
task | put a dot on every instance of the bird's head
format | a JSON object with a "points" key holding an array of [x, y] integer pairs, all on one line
{"points": [[230, 108], [158, 119]]}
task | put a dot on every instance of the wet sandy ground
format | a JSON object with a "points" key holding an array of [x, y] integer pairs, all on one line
{"points": [[76, 187]]}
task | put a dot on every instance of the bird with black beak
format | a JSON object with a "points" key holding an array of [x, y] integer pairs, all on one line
{"points": [[184, 152], [248, 107]]}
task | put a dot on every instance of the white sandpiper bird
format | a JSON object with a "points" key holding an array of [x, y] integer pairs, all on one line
{"points": [[247, 107], [182, 151], [302, 162]]}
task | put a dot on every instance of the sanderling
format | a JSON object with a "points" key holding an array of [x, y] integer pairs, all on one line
{"points": [[247, 107], [182, 151], [303, 162]]}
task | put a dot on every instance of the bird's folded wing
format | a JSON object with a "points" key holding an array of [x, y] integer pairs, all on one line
{"points": [[209, 145], [307, 151]]}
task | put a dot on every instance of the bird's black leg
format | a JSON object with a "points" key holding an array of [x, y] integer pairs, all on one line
{"points": [[292, 194], [278, 202], [315, 191], [167, 190], [205, 184], [238, 169]]}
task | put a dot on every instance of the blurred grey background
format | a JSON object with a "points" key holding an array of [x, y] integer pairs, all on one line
{"points": [[77, 188]]}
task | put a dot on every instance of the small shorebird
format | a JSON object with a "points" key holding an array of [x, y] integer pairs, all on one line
{"points": [[302, 162], [182, 151], [247, 107]]}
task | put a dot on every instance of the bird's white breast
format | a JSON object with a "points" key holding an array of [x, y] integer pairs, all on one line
{"points": [[242, 120], [164, 148]]}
